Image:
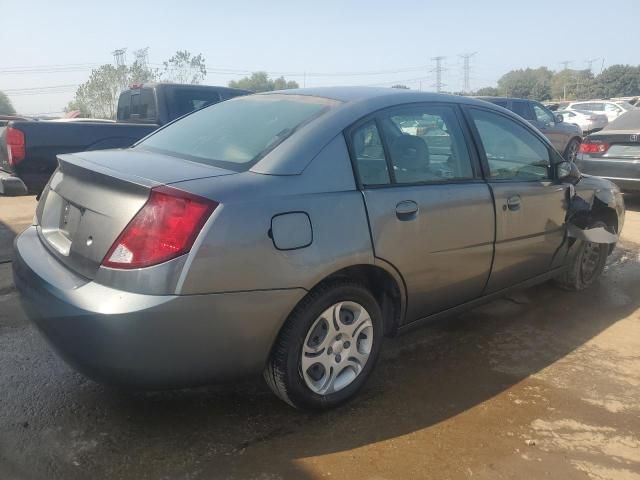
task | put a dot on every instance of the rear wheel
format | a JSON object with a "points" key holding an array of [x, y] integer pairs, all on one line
{"points": [[586, 262], [571, 152], [327, 348]]}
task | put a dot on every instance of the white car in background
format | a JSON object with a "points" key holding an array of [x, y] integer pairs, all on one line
{"points": [[612, 109], [589, 122]]}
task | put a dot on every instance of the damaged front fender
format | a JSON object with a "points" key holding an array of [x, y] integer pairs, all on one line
{"points": [[593, 199], [594, 235]]}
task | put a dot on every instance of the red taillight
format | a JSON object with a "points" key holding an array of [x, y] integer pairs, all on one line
{"points": [[164, 228], [594, 147], [15, 146]]}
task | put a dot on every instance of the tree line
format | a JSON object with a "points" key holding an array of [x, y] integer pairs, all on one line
{"points": [[98, 96], [544, 84]]}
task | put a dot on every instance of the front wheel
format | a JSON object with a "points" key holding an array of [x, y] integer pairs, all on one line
{"points": [[327, 348], [571, 152], [586, 262]]}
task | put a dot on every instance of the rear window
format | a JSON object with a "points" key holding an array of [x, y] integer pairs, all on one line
{"points": [[185, 100], [626, 105], [137, 105], [235, 134], [627, 121]]}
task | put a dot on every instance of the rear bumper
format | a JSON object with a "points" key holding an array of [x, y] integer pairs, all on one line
{"points": [[11, 185], [147, 341]]}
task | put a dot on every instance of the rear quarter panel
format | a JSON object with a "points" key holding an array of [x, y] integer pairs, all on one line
{"points": [[236, 251]]}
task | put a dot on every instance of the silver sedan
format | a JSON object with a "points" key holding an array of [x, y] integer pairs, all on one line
{"points": [[289, 232]]}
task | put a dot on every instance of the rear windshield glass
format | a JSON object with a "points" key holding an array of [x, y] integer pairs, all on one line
{"points": [[627, 121], [235, 134]]}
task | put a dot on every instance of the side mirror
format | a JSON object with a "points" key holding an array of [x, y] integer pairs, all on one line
{"points": [[559, 118], [567, 172]]}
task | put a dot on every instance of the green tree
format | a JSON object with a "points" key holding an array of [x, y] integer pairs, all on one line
{"points": [[528, 83], [260, 82], [618, 81], [6, 108], [139, 71], [184, 67], [487, 92], [99, 95], [572, 84], [76, 106]]}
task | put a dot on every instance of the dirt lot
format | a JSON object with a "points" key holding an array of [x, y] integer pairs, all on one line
{"points": [[543, 384]]}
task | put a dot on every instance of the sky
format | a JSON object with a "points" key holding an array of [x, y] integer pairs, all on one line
{"points": [[50, 47]]}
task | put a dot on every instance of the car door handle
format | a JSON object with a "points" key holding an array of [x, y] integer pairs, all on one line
{"points": [[406, 210], [513, 203]]}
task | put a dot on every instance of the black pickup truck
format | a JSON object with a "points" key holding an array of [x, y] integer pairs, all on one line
{"points": [[28, 149]]}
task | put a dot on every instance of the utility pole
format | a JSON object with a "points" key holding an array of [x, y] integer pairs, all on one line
{"points": [[438, 71], [466, 67], [119, 57]]}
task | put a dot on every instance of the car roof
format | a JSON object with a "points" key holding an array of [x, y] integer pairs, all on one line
{"points": [[193, 86], [491, 98], [354, 104], [363, 94]]}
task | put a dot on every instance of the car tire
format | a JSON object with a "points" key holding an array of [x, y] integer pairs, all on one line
{"points": [[571, 152], [586, 263], [342, 346]]}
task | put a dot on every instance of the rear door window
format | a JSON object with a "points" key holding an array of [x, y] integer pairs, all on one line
{"points": [[426, 144], [610, 107], [523, 109], [543, 115], [369, 155]]}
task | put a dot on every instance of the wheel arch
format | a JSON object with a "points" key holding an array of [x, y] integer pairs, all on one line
{"points": [[386, 285], [566, 148]]}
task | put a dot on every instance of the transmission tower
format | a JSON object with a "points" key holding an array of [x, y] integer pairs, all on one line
{"points": [[141, 56], [438, 71], [466, 68], [590, 62], [119, 57]]}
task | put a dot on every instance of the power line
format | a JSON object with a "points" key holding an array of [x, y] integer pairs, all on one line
{"points": [[241, 71]]}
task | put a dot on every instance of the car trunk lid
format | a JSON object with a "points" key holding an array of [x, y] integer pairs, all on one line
{"points": [[92, 197], [621, 144]]}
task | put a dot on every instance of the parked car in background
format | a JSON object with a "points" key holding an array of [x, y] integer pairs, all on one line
{"points": [[555, 106], [612, 109], [82, 120], [589, 122], [4, 119], [614, 152], [28, 149], [328, 226], [565, 137]]}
